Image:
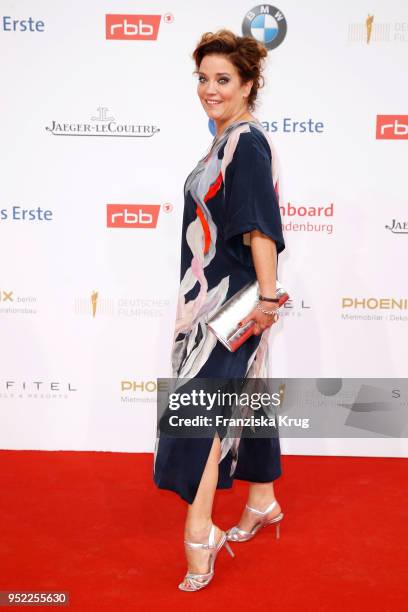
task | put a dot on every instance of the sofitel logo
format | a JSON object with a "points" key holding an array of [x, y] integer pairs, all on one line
{"points": [[103, 124], [392, 127], [37, 385], [398, 227], [294, 309], [132, 215], [134, 27], [35, 389]]}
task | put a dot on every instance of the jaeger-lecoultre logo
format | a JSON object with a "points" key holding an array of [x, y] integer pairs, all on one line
{"points": [[103, 124]]}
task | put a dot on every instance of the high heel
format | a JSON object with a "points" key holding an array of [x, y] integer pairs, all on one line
{"points": [[195, 582], [235, 534]]}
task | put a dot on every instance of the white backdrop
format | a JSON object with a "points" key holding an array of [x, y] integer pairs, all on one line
{"points": [[79, 372]]}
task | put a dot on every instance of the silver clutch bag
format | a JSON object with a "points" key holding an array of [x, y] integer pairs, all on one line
{"points": [[224, 323]]}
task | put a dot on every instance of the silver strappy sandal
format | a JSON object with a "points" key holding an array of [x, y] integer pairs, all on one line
{"points": [[235, 534], [195, 582]]}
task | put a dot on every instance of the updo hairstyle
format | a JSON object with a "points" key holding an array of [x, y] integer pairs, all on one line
{"points": [[244, 52]]}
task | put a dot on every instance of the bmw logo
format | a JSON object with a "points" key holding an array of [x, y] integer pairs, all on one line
{"points": [[267, 24]]}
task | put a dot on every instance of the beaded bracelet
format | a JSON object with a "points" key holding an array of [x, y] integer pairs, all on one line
{"points": [[273, 313]]}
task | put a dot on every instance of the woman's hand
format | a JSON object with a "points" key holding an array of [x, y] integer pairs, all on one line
{"points": [[262, 321]]}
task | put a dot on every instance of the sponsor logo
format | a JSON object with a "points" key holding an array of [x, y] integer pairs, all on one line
{"points": [[375, 306], [374, 303], [102, 124], [94, 302], [392, 127], [145, 386], [398, 227], [11, 303], [142, 390], [18, 213], [285, 125], [9, 24], [132, 27], [294, 308], [121, 307], [132, 215], [311, 213], [36, 389], [370, 31], [267, 24]]}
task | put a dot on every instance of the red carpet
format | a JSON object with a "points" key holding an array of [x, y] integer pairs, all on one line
{"points": [[94, 524]]}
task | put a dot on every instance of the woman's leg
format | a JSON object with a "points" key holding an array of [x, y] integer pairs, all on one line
{"points": [[199, 521], [260, 496]]}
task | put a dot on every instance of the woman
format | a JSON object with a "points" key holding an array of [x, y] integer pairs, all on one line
{"points": [[232, 234]]}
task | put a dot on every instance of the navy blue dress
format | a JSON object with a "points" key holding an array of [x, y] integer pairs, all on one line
{"points": [[231, 191]]}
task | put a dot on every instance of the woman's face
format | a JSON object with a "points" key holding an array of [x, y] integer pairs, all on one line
{"points": [[220, 90]]}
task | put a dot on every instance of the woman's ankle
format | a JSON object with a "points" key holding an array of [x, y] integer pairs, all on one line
{"points": [[261, 495], [197, 529], [262, 501]]}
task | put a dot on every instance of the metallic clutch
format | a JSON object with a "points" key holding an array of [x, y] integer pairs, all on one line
{"points": [[224, 323]]}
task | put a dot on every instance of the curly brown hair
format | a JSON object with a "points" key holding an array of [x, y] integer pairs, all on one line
{"points": [[244, 52]]}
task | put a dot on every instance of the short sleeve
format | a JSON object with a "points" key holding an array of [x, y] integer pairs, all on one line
{"points": [[250, 198]]}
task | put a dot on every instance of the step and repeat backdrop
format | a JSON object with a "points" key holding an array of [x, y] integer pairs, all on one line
{"points": [[100, 125]]}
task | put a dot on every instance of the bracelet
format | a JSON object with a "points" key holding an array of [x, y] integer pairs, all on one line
{"points": [[273, 313], [268, 299]]}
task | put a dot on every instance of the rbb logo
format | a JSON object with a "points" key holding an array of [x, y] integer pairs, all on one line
{"points": [[132, 27], [392, 127], [132, 215]]}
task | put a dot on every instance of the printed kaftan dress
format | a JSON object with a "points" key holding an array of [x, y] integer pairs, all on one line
{"points": [[232, 190]]}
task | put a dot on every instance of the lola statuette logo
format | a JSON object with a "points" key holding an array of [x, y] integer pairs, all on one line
{"points": [[96, 304], [370, 31]]}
